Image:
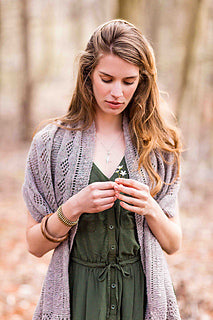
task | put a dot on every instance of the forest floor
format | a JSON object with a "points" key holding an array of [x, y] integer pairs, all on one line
{"points": [[21, 274]]}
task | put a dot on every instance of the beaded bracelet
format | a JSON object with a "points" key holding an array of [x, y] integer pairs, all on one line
{"points": [[64, 220], [46, 233]]}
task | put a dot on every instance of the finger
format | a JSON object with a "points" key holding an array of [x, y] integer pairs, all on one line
{"points": [[105, 207], [104, 201], [132, 192], [106, 193], [131, 208], [132, 183], [133, 201], [102, 185], [103, 204]]}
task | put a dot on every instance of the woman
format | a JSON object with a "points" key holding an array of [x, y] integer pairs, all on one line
{"points": [[101, 189]]}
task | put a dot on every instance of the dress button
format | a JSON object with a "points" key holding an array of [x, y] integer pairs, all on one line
{"points": [[111, 227], [113, 307], [113, 285]]}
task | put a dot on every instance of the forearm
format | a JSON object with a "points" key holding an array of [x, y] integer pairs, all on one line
{"points": [[166, 230], [38, 245]]}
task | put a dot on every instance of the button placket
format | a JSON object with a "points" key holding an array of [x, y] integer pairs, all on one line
{"points": [[112, 238], [112, 259]]}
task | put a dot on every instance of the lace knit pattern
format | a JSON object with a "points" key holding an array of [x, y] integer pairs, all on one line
{"points": [[58, 166]]}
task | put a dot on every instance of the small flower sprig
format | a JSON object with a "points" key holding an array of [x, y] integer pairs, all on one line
{"points": [[121, 173]]}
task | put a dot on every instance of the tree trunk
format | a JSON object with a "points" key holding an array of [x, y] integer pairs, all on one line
{"points": [[190, 48], [77, 24], [0, 54], [187, 109], [47, 42], [26, 99], [129, 10], [151, 22]]}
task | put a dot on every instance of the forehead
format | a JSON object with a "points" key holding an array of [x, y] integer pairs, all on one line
{"points": [[115, 66]]}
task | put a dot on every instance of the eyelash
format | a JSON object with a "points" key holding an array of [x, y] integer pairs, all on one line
{"points": [[126, 83]]}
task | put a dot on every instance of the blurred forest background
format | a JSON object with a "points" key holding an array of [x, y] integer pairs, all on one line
{"points": [[39, 43]]}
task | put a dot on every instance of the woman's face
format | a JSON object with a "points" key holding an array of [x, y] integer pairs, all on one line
{"points": [[114, 82]]}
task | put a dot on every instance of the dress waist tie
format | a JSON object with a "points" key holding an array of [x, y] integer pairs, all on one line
{"points": [[105, 273]]}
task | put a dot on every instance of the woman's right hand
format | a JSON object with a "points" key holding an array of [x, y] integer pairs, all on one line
{"points": [[96, 197]]}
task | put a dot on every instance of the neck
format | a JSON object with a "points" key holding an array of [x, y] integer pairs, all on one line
{"points": [[108, 123]]}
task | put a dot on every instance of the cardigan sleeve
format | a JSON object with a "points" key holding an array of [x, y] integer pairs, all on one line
{"points": [[168, 195], [37, 189]]}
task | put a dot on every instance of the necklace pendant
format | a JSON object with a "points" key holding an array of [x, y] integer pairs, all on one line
{"points": [[107, 158]]}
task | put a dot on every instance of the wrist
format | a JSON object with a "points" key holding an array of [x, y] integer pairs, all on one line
{"points": [[153, 210], [70, 210]]}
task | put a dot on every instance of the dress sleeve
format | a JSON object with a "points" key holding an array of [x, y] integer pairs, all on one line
{"points": [[37, 189], [168, 195]]}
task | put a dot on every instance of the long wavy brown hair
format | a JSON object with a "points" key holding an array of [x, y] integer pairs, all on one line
{"points": [[148, 129]]}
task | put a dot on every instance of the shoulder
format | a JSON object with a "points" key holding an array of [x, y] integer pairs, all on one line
{"points": [[41, 145], [48, 142], [165, 163], [52, 134], [159, 156], [46, 134]]}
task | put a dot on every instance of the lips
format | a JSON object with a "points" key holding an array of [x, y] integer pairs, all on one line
{"points": [[116, 103]]}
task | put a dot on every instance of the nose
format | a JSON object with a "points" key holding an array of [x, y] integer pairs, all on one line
{"points": [[117, 90]]}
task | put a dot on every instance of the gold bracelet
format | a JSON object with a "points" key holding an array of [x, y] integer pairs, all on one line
{"points": [[64, 220], [46, 233]]}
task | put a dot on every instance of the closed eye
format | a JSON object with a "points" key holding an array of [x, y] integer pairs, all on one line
{"points": [[125, 82], [106, 81], [128, 83]]}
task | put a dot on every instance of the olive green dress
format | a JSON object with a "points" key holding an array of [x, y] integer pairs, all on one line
{"points": [[105, 270]]}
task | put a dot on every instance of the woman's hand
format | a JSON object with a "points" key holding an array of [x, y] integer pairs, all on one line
{"points": [[96, 197], [137, 198]]}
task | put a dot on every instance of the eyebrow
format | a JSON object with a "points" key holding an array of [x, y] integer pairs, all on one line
{"points": [[108, 75]]}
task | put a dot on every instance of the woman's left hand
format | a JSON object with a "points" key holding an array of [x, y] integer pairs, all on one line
{"points": [[136, 197]]}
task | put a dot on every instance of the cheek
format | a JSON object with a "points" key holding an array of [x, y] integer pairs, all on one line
{"points": [[99, 89], [130, 92]]}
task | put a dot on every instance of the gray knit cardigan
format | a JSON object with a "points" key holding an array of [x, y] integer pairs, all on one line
{"points": [[58, 166]]}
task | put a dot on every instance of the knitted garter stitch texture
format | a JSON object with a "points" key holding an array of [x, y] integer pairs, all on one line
{"points": [[58, 166]]}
